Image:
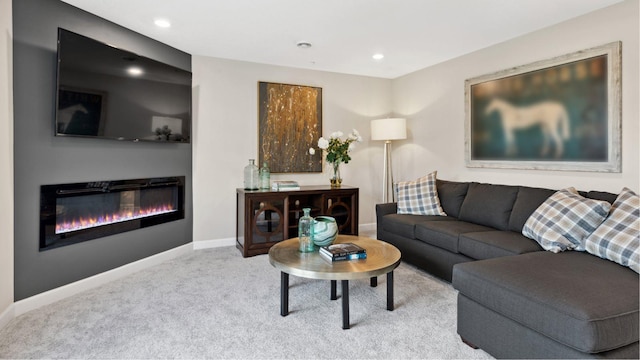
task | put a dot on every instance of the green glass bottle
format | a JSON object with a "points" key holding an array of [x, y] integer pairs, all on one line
{"points": [[265, 177]]}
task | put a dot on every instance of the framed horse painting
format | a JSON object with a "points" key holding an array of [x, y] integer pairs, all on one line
{"points": [[557, 114]]}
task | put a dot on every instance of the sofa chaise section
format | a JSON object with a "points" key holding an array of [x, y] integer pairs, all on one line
{"points": [[544, 294]]}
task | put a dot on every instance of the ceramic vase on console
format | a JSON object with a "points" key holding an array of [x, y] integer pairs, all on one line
{"points": [[336, 180], [325, 230]]}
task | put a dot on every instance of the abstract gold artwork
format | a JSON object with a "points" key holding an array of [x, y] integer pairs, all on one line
{"points": [[289, 123]]}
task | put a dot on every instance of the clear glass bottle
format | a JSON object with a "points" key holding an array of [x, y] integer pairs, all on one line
{"points": [[251, 176], [305, 225], [265, 177]]}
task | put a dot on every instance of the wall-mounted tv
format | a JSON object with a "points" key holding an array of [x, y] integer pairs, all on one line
{"points": [[107, 92]]}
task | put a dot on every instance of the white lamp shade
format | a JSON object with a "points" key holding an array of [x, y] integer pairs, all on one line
{"points": [[389, 129]]}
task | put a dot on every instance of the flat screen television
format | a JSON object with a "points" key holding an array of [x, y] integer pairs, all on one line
{"points": [[107, 92]]}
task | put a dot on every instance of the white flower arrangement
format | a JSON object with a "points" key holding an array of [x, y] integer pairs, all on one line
{"points": [[337, 149]]}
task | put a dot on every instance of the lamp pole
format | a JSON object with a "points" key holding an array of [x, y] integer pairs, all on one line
{"points": [[387, 174]]}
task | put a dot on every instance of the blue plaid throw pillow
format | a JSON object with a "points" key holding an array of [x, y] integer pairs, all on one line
{"points": [[617, 238], [564, 220], [419, 197]]}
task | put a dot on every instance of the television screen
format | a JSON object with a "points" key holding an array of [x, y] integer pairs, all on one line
{"points": [[111, 93]]}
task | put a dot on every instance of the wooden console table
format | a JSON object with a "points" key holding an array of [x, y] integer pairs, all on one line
{"points": [[266, 217]]}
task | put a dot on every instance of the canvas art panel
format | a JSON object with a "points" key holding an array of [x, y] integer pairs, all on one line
{"points": [[289, 123], [558, 114]]}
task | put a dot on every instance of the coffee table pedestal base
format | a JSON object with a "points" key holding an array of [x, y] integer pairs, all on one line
{"points": [[284, 295]]}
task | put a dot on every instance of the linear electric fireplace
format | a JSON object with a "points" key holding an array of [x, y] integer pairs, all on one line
{"points": [[72, 213]]}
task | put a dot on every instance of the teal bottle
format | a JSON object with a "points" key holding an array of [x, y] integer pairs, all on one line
{"points": [[304, 231]]}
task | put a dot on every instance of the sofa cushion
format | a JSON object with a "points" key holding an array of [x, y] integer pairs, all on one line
{"points": [[492, 244], [575, 298], [617, 238], [445, 234], [601, 195], [489, 205], [419, 197], [451, 194], [527, 201], [404, 224], [564, 220]]}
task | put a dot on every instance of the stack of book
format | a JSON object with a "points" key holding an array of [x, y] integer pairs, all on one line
{"points": [[339, 252], [284, 185]]}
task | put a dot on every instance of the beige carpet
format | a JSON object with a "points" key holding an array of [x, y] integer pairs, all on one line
{"points": [[215, 304]]}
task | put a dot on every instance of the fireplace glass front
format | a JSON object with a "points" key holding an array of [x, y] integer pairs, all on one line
{"points": [[72, 213]]}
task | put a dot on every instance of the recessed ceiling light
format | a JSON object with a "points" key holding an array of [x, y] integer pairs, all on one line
{"points": [[163, 23], [134, 71], [378, 56], [303, 44]]}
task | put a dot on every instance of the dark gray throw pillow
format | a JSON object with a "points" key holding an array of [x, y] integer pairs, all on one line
{"points": [[489, 205], [451, 195]]}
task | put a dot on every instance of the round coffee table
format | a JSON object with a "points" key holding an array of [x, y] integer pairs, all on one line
{"points": [[382, 258]]}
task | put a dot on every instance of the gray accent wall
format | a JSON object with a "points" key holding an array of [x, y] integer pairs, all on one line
{"points": [[40, 158]]}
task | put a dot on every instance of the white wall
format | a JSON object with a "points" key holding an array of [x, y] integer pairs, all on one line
{"points": [[6, 161], [225, 134], [432, 99]]}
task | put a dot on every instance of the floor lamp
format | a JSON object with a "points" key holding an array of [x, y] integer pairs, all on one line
{"points": [[387, 130]]}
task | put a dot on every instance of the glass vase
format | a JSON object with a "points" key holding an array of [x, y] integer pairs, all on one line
{"points": [[265, 177], [251, 176], [336, 180], [305, 225]]}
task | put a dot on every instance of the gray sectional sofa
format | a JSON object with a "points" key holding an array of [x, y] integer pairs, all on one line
{"points": [[516, 300]]}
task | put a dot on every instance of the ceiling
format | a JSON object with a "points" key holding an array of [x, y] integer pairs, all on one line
{"points": [[412, 34]]}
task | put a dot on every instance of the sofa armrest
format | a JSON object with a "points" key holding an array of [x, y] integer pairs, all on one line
{"points": [[385, 209], [382, 210]]}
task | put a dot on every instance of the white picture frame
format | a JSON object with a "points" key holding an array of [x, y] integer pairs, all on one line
{"points": [[509, 115]]}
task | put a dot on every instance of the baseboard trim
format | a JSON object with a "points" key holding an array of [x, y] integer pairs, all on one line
{"points": [[367, 227], [7, 315], [53, 295], [208, 244]]}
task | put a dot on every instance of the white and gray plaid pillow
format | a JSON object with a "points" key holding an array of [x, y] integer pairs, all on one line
{"points": [[419, 197], [564, 220], [617, 238]]}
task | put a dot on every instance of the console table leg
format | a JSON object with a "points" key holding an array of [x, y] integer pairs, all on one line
{"points": [[345, 304], [334, 295], [374, 281], [284, 293], [390, 291]]}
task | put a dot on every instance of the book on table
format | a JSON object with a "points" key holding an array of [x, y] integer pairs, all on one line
{"points": [[283, 185], [345, 251], [329, 258]]}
